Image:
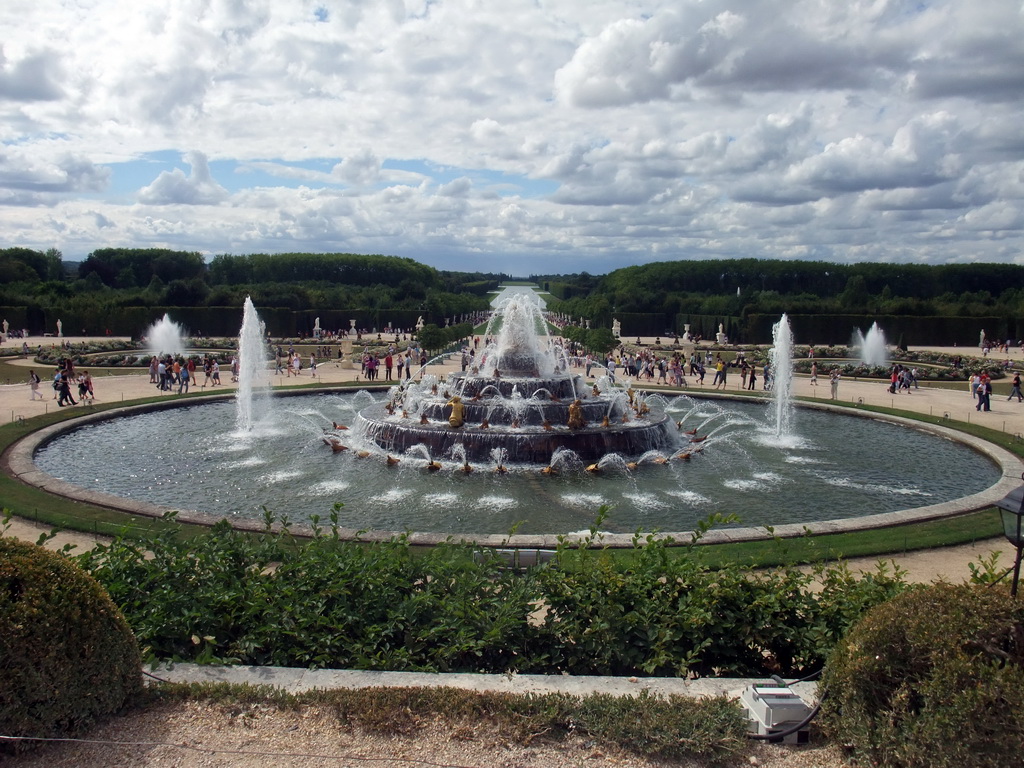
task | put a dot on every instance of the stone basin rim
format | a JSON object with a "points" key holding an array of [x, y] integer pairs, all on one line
{"points": [[18, 462]]}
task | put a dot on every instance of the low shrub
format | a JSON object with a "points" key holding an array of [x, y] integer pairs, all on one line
{"points": [[67, 655], [932, 678], [229, 596]]}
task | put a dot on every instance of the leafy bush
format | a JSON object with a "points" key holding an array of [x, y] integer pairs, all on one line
{"points": [[234, 597], [932, 678], [66, 654]]}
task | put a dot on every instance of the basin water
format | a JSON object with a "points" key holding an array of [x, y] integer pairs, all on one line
{"points": [[658, 461]]}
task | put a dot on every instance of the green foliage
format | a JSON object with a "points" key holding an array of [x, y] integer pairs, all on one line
{"points": [[657, 610], [932, 678], [135, 267], [347, 268], [431, 337], [601, 340], [26, 265], [67, 657], [659, 613]]}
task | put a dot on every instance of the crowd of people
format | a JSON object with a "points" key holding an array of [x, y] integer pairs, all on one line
{"points": [[65, 379], [168, 372], [394, 364]]}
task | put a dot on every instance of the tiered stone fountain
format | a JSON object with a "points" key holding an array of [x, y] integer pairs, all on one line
{"points": [[519, 398]]}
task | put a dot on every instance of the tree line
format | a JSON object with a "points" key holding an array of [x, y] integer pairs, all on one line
{"points": [[740, 287], [110, 279], [650, 299]]}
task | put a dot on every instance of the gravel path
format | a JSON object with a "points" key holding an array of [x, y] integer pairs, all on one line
{"points": [[197, 735]]}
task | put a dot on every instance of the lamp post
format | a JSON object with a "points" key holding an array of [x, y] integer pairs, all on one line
{"points": [[1011, 509]]}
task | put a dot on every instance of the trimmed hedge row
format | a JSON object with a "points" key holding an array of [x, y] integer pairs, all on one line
{"points": [[67, 656], [231, 597], [932, 679]]}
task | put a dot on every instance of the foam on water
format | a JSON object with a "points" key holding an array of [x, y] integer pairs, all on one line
{"points": [[249, 461], [329, 486], [393, 495], [583, 500], [282, 476], [440, 500], [844, 482], [497, 503], [646, 500], [691, 498]]}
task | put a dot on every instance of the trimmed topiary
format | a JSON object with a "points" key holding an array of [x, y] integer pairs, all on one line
{"points": [[932, 678], [67, 655]]}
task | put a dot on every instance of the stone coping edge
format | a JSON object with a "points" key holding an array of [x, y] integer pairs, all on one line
{"points": [[19, 460], [297, 680]]}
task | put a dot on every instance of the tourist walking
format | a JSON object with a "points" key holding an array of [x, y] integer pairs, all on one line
{"points": [[1014, 391], [984, 394], [33, 383], [83, 388], [65, 392]]}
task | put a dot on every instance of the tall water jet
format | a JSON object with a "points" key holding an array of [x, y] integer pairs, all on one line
{"points": [[252, 366], [871, 349], [782, 375], [523, 344], [165, 337]]}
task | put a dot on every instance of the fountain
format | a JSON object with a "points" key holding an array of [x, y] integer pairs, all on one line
{"points": [[520, 453], [165, 337], [782, 373], [871, 348], [520, 399], [252, 366]]}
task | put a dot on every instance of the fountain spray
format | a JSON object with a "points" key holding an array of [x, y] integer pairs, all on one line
{"points": [[782, 375], [252, 366]]}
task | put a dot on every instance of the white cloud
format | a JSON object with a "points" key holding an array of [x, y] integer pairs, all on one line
{"points": [[607, 133], [32, 78], [35, 178], [174, 188]]}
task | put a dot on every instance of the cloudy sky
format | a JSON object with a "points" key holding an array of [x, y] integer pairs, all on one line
{"points": [[516, 135]]}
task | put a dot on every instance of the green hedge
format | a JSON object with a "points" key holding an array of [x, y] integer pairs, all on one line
{"points": [[67, 656], [328, 603], [932, 679]]}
